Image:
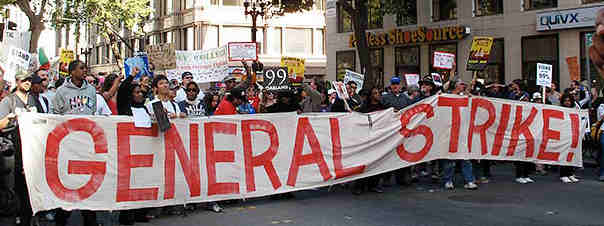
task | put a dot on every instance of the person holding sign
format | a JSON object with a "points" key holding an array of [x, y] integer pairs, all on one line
{"points": [[161, 86]]}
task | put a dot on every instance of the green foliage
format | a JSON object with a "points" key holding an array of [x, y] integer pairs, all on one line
{"points": [[292, 6]]}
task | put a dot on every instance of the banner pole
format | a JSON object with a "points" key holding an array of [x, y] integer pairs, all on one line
{"points": [[543, 96]]}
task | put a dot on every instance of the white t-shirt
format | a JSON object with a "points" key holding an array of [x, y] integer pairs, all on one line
{"points": [[170, 106], [101, 106]]}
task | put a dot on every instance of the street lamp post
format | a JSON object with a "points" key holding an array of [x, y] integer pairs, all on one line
{"points": [[263, 8]]}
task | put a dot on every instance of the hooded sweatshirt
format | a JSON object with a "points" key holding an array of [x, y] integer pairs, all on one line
{"points": [[73, 100]]}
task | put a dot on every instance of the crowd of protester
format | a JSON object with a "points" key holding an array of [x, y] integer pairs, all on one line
{"points": [[84, 93]]}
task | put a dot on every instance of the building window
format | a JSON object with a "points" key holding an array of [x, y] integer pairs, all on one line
{"points": [[376, 18], [447, 48], [409, 15], [166, 37], [277, 41], [540, 4], [168, 7], [299, 41], [231, 2], [593, 72], [444, 10], [591, 1], [344, 21], [539, 49], [188, 4], [210, 39], [190, 40], [319, 5], [488, 7], [406, 60], [376, 59], [495, 70], [107, 55], [99, 54], [345, 60], [241, 34], [319, 42]]}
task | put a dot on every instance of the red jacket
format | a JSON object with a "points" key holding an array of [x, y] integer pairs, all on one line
{"points": [[225, 108]]}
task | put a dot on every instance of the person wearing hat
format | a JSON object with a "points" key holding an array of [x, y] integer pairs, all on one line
{"points": [[42, 103], [19, 101], [395, 99], [181, 94], [427, 87]]}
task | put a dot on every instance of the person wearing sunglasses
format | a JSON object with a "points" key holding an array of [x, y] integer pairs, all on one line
{"points": [[19, 101], [181, 94], [192, 106]]}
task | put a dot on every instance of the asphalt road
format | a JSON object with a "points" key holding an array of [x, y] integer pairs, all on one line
{"points": [[501, 202]]}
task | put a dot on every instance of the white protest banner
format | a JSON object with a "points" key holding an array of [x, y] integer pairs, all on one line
{"points": [[443, 60], [438, 81], [173, 74], [412, 79], [243, 51], [205, 65], [544, 75], [357, 78], [106, 163], [18, 60], [19, 39]]}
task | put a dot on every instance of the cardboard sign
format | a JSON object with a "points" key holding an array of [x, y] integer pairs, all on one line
{"points": [[412, 79], [294, 65], [276, 79], [443, 60], [544, 74], [358, 78], [479, 53], [210, 65], [340, 88], [67, 56], [18, 61], [141, 62], [243, 51], [437, 79], [119, 166], [161, 56]]}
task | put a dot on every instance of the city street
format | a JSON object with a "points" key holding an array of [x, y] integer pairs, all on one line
{"points": [[501, 202]]}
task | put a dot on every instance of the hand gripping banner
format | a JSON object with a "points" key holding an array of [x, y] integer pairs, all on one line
{"points": [[105, 163]]}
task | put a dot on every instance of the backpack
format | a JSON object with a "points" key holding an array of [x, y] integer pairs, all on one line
{"points": [[595, 131]]}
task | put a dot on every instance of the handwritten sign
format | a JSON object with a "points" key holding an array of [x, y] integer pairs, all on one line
{"points": [[294, 65], [355, 77], [206, 65], [412, 79], [479, 53], [162, 56], [243, 51], [276, 78], [436, 78], [67, 56], [544, 74], [443, 60]]}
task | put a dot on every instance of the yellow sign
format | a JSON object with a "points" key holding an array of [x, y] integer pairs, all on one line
{"points": [[67, 56], [479, 53], [402, 37], [295, 66]]}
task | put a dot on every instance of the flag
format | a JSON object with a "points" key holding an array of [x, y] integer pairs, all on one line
{"points": [[44, 62]]}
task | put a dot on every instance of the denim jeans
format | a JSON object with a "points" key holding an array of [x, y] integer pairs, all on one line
{"points": [[449, 168], [602, 155]]}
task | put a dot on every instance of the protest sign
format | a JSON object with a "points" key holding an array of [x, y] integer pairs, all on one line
{"points": [[340, 88], [18, 39], [294, 65], [412, 79], [243, 51], [438, 81], [18, 60], [355, 77], [544, 75], [443, 60], [141, 62], [173, 74], [162, 56], [67, 56], [275, 79], [479, 53], [106, 163], [573, 68], [205, 65]]}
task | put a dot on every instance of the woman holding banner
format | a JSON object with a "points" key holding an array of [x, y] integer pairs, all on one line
{"points": [[567, 172]]}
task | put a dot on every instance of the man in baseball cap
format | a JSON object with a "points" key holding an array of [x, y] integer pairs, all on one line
{"points": [[181, 94]]}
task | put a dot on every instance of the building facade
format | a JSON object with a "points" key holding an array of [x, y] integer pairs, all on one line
{"points": [[207, 24], [526, 32]]}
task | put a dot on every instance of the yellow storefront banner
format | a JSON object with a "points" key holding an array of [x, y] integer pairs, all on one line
{"points": [[402, 37], [295, 66]]}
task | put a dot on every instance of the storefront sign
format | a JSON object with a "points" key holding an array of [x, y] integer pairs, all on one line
{"points": [[566, 19], [402, 37], [479, 53]]}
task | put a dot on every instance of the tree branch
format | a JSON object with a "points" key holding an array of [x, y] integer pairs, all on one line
{"points": [[26, 8], [346, 6], [42, 9]]}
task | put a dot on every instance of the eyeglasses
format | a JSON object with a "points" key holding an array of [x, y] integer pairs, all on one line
{"points": [[26, 80], [189, 77], [192, 90]]}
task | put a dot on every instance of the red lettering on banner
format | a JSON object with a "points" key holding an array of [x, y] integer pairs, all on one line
{"points": [[127, 161], [503, 126], [336, 143], [574, 122], [213, 157], [549, 134], [522, 127], [480, 129], [190, 166], [266, 158], [315, 157], [95, 169], [423, 130], [456, 104]]}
